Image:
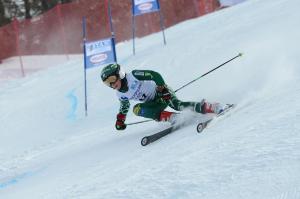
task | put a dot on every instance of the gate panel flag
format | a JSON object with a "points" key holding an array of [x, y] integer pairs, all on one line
{"points": [[99, 52], [140, 7], [144, 6]]}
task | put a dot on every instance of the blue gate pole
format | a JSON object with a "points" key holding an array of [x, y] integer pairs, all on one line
{"points": [[84, 58], [162, 25], [133, 28], [112, 31]]}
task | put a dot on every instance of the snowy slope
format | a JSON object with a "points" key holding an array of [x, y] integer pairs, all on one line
{"points": [[230, 2], [50, 150]]}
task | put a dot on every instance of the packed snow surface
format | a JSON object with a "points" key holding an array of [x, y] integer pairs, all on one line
{"points": [[230, 2], [49, 149]]}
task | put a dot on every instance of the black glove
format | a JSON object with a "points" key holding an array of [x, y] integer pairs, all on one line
{"points": [[120, 123], [163, 92]]}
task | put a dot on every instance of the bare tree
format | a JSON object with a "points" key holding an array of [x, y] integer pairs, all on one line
{"points": [[3, 18], [27, 9], [45, 5], [66, 1], [5, 12]]}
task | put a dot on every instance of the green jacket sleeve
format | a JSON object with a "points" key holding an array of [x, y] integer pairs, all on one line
{"points": [[149, 75], [124, 106]]}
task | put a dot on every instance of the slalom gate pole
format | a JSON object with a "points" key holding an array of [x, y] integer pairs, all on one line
{"points": [[85, 61], [239, 55]]}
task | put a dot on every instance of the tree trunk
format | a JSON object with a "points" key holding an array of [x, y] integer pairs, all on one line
{"points": [[66, 1], [2, 11], [3, 19], [27, 9], [45, 5]]}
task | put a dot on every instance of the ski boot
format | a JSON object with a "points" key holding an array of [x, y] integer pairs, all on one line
{"points": [[166, 116], [215, 108]]}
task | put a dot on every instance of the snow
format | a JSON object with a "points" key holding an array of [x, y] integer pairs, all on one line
{"points": [[49, 149], [230, 2]]}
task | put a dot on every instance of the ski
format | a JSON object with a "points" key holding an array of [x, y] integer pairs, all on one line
{"points": [[202, 125], [152, 138]]}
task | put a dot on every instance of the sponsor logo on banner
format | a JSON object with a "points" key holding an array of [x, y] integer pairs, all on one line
{"points": [[145, 6], [99, 52], [98, 58], [137, 2]]}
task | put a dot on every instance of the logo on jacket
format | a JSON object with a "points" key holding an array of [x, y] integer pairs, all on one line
{"points": [[123, 98], [134, 85]]}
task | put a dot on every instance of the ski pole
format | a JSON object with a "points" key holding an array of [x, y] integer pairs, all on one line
{"points": [[139, 122], [239, 55]]}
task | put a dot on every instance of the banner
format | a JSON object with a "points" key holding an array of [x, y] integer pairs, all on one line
{"points": [[140, 7], [144, 6], [99, 52]]}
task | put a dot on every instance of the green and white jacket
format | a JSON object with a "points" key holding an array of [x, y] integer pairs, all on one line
{"points": [[141, 86]]}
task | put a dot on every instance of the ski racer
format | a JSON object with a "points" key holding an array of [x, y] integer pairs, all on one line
{"points": [[150, 89]]}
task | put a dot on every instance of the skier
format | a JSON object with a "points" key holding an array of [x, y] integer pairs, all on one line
{"points": [[150, 88]]}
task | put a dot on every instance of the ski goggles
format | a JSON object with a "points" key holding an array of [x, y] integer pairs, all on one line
{"points": [[111, 80]]}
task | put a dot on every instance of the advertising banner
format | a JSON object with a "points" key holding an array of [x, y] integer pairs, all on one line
{"points": [[144, 6], [99, 52]]}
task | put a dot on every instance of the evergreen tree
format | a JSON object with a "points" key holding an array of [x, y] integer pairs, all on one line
{"points": [[25, 9], [5, 12]]}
